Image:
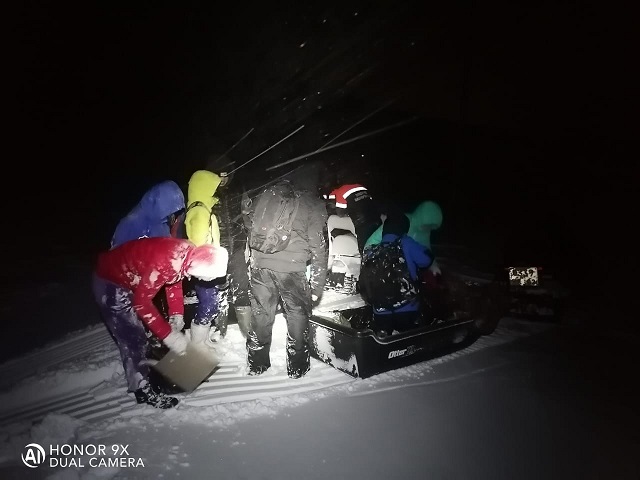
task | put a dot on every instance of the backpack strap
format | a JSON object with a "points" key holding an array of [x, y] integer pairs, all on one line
{"points": [[198, 203]]}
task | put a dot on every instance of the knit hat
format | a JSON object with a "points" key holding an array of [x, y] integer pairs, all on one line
{"points": [[207, 262], [396, 223]]}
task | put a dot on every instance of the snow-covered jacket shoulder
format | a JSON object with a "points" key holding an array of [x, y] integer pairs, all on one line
{"points": [[200, 222], [149, 217], [144, 266]]}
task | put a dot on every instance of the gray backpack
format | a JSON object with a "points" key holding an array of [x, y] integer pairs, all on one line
{"points": [[273, 216]]}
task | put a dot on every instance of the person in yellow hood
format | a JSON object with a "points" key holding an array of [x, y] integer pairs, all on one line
{"points": [[202, 228], [201, 224]]}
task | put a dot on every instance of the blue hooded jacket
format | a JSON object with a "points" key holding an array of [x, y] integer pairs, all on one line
{"points": [[149, 218]]}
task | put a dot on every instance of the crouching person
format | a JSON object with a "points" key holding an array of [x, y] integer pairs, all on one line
{"points": [[125, 281], [389, 276]]}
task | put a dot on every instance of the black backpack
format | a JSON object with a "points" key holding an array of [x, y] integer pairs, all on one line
{"points": [[385, 280], [272, 222]]}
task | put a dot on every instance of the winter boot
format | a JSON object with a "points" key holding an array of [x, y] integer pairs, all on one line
{"points": [[243, 316], [200, 337], [147, 394], [255, 371]]}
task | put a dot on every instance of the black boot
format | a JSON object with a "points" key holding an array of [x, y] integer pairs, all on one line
{"points": [[147, 394], [255, 371]]}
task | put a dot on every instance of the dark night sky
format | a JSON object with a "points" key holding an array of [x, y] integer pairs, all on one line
{"points": [[523, 111]]}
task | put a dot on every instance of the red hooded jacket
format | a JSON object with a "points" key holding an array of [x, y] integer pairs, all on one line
{"points": [[144, 266]]}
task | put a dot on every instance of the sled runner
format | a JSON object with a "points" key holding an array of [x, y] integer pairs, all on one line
{"points": [[187, 371]]}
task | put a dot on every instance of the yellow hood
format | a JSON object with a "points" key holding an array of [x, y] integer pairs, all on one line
{"points": [[200, 222]]}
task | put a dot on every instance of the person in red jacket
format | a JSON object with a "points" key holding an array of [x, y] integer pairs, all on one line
{"points": [[125, 281]]}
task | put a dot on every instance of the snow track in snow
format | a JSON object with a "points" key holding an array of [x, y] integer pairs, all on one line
{"points": [[101, 394], [73, 346], [231, 385]]}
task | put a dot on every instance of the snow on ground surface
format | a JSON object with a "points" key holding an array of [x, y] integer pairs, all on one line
{"points": [[62, 397]]}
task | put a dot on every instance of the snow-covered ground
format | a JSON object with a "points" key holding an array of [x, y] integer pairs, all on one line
{"points": [[73, 392]]}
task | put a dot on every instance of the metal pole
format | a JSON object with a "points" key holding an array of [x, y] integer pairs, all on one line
{"points": [[360, 137], [234, 146], [265, 151]]}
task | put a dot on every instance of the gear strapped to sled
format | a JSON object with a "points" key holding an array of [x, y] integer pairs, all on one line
{"points": [[272, 221], [385, 280]]}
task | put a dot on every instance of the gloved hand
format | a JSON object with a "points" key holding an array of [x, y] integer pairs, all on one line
{"points": [[435, 268], [315, 300], [177, 342], [177, 322]]}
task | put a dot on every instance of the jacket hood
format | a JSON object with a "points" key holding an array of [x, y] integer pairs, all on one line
{"points": [[426, 217], [162, 200], [206, 262], [202, 188]]}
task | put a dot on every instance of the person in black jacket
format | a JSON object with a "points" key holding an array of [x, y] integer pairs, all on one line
{"points": [[282, 276]]}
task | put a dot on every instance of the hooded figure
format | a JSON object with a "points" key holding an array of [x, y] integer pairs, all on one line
{"points": [[425, 218], [200, 222], [202, 229], [152, 216], [126, 280]]}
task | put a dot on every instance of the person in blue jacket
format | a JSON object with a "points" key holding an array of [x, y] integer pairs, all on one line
{"points": [[158, 214], [417, 257], [153, 216]]}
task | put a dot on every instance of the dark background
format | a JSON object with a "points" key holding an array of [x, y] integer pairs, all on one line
{"points": [[519, 120]]}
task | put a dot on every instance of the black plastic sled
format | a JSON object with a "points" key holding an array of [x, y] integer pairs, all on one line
{"points": [[362, 353], [458, 306]]}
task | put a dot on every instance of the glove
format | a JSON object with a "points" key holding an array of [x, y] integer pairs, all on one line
{"points": [[435, 269], [177, 322], [315, 300], [177, 342]]}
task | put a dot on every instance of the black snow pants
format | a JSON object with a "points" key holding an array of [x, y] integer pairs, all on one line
{"points": [[267, 289]]}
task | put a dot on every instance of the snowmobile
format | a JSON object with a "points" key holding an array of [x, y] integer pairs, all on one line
{"points": [[534, 293], [459, 305]]}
